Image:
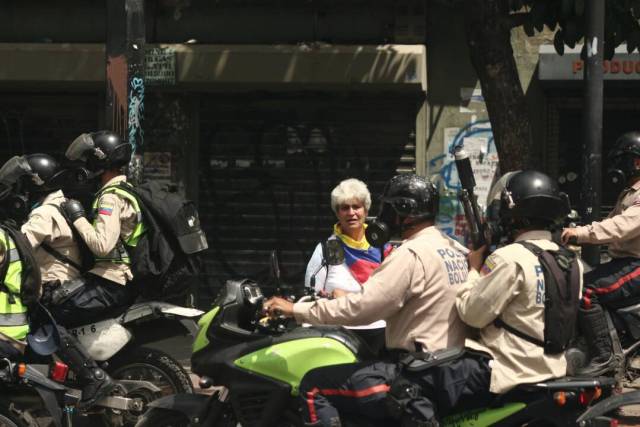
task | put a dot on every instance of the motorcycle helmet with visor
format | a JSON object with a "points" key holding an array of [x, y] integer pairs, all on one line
{"points": [[407, 200], [99, 151], [522, 200], [624, 159]]}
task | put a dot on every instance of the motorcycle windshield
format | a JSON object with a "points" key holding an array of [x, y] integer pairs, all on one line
{"points": [[79, 147], [15, 168]]}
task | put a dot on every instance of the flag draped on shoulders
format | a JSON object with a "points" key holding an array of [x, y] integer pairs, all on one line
{"points": [[360, 257]]}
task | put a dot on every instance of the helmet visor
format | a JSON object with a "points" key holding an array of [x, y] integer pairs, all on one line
{"points": [[15, 168], [496, 189], [79, 147]]}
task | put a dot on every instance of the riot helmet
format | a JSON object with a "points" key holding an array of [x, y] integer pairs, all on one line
{"points": [[100, 151], [525, 200], [13, 174], [407, 200], [624, 159], [47, 175]]}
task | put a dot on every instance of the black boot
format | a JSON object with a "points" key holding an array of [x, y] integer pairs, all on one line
{"points": [[95, 382], [593, 324]]}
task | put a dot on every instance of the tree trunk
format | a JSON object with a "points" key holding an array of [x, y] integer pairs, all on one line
{"points": [[488, 32]]}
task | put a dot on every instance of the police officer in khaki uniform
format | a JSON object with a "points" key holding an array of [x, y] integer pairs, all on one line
{"points": [[57, 254], [508, 287], [613, 282], [413, 290], [116, 220]]}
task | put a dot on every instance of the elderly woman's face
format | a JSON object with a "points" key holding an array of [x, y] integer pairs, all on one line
{"points": [[351, 215]]}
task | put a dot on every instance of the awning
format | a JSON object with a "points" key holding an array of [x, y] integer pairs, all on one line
{"points": [[357, 67]]}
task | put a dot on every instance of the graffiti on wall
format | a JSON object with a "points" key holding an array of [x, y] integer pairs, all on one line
{"points": [[136, 109], [477, 140]]}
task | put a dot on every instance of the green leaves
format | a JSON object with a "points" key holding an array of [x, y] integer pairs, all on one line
{"points": [[566, 18]]}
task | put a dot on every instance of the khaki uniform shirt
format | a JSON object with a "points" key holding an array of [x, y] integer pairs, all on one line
{"points": [[414, 290], [621, 229], [511, 287], [115, 219], [47, 225]]}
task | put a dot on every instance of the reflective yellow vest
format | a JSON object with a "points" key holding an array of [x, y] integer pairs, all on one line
{"points": [[119, 254], [13, 314]]}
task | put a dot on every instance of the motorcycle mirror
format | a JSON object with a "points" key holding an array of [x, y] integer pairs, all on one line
{"points": [[334, 253]]}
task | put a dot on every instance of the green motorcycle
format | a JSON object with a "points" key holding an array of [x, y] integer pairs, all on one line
{"points": [[255, 366]]}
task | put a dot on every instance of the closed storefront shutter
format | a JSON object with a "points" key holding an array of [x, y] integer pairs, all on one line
{"points": [[268, 163], [44, 122]]}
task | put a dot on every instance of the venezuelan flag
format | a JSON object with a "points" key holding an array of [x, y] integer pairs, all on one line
{"points": [[360, 257]]}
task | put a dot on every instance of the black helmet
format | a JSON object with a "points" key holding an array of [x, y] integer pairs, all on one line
{"points": [[523, 199], [47, 175], [100, 150], [624, 159], [407, 200]]}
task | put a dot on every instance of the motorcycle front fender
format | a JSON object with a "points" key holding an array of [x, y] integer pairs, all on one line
{"points": [[607, 405], [191, 405]]}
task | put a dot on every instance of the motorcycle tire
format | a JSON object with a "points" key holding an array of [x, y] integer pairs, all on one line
{"points": [[143, 363], [124, 364], [159, 417], [12, 417]]}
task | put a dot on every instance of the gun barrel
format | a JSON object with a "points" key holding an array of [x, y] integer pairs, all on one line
{"points": [[463, 165]]}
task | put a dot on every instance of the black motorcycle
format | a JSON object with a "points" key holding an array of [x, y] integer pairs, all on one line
{"points": [[32, 395]]}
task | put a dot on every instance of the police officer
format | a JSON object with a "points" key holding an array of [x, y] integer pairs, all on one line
{"points": [[504, 299], [57, 254], [504, 296], [413, 290], [116, 222], [621, 231], [14, 325]]}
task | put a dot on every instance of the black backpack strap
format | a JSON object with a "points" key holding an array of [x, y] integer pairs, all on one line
{"points": [[4, 267], [60, 257], [499, 323], [82, 246]]}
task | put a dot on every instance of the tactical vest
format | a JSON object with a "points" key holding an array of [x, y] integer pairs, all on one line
{"points": [[13, 314], [119, 254]]}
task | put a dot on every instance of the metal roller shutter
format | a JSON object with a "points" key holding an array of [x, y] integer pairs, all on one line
{"points": [[269, 161], [31, 123]]}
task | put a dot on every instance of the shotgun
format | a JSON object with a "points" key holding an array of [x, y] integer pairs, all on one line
{"points": [[468, 198]]}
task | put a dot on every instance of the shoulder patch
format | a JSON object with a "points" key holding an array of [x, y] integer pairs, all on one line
{"points": [[488, 266], [105, 208]]}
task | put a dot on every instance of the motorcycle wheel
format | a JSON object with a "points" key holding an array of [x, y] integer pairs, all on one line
{"points": [[155, 366], [12, 417], [158, 417]]}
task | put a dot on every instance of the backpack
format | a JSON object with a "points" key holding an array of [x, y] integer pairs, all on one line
{"points": [[165, 259], [561, 298], [30, 279]]}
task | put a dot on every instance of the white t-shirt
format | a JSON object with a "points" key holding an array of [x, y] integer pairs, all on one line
{"points": [[338, 277]]}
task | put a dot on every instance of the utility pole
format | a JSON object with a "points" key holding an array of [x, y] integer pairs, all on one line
{"points": [[124, 100], [592, 120]]}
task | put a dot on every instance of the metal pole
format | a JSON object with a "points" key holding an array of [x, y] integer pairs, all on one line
{"points": [[592, 120], [125, 76]]}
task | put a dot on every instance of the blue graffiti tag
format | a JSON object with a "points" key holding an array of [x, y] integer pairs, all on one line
{"points": [[136, 108], [450, 208]]}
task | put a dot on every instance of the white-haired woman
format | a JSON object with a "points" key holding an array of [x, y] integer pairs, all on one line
{"points": [[350, 201]]}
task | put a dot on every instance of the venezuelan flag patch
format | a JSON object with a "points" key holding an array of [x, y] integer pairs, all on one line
{"points": [[488, 266], [105, 210]]}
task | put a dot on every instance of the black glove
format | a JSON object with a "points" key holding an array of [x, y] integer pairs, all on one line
{"points": [[72, 210]]}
